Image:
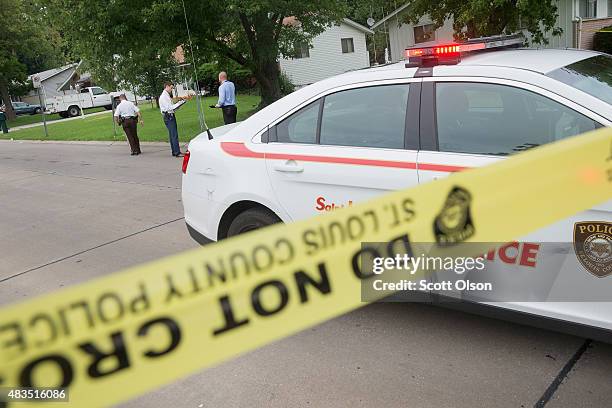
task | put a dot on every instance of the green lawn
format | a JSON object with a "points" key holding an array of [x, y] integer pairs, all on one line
{"points": [[100, 127], [29, 119]]}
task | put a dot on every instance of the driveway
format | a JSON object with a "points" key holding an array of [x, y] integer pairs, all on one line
{"points": [[70, 212]]}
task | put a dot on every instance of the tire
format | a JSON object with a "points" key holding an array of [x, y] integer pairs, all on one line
{"points": [[108, 107], [37, 111], [74, 111], [251, 220], [63, 114]]}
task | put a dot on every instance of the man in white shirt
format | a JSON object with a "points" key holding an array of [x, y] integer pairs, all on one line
{"points": [[167, 108], [127, 115], [227, 99]]}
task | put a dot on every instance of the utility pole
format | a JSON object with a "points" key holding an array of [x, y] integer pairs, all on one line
{"points": [[43, 106]]}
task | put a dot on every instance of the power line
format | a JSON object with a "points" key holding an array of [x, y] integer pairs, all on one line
{"points": [[203, 125]]}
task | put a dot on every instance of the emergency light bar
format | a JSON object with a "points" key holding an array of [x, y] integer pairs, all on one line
{"points": [[450, 54]]}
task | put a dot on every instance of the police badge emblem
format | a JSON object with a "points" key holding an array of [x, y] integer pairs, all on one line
{"points": [[593, 246], [454, 222]]}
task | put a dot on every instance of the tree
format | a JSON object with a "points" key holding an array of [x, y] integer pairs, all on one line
{"points": [[119, 43], [28, 44], [476, 18], [146, 70], [253, 33]]}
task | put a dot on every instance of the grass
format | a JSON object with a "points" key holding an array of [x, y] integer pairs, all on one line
{"points": [[100, 127], [29, 119]]}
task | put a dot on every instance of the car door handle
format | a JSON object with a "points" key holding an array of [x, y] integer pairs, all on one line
{"points": [[289, 168]]}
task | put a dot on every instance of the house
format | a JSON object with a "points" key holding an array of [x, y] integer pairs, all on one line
{"points": [[338, 49], [55, 82], [403, 35], [592, 16], [579, 20]]}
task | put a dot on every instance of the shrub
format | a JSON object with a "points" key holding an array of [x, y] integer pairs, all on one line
{"points": [[602, 41], [208, 76], [286, 85]]}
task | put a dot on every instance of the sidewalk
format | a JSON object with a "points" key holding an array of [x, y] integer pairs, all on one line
{"points": [[31, 125], [87, 142]]}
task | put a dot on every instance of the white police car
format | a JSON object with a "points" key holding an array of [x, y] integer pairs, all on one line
{"points": [[354, 136]]}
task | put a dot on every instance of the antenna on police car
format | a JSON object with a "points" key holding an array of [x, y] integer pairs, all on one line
{"points": [[203, 125]]}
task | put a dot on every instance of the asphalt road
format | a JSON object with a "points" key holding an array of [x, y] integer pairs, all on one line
{"points": [[71, 212]]}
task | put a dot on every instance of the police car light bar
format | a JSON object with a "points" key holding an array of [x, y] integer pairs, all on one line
{"points": [[450, 54]]}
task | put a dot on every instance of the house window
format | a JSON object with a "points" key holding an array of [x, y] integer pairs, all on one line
{"points": [[301, 50], [588, 8], [424, 33], [347, 45], [609, 8]]}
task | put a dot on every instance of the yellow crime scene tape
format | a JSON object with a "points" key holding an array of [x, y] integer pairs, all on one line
{"points": [[113, 338]]}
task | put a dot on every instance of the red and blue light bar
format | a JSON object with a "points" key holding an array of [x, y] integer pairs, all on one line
{"points": [[450, 54]]}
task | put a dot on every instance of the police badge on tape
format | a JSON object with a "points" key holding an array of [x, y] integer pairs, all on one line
{"points": [[454, 223], [593, 246]]}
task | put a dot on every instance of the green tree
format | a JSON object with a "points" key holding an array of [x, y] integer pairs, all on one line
{"points": [[122, 43], [249, 32], [28, 44], [476, 18], [146, 71]]}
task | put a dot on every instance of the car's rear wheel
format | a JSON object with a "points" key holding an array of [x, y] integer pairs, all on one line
{"points": [[74, 111], [251, 220]]}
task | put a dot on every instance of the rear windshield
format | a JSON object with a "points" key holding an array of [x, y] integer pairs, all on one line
{"points": [[592, 75]]}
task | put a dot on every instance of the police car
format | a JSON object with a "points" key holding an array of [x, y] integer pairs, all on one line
{"points": [[444, 109]]}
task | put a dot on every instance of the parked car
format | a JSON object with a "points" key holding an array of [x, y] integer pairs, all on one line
{"points": [[352, 137], [22, 108]]}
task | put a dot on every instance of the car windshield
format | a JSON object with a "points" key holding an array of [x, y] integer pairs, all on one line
{"points": [[592, 75]]}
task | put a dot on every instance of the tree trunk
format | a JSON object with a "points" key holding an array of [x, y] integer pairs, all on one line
{"points": [[267, 74], [6, 98], [263, 43]]}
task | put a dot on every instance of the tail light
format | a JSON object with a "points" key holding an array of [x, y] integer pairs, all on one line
{"points": [[186, 161]]}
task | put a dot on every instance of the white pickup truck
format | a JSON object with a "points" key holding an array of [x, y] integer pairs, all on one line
{"points": [[87, 98]]}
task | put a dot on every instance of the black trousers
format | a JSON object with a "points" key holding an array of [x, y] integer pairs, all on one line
{"points": [[229, 114], [131, 131]]}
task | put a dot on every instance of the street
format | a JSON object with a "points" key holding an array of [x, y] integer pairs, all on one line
{"points": [[71, 212]]}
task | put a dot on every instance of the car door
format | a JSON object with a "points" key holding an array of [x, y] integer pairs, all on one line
{"points": [[19, 108], [468, 122], [100, 97], [349, 145]]}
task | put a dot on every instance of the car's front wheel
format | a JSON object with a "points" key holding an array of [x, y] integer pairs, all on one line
{"points": [[250, 220]]}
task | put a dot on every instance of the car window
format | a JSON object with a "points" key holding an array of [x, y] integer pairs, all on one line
{"points": [[300, 127], [18, 104], [592, 75], [501, 120], [97, 91], [369, 117]]}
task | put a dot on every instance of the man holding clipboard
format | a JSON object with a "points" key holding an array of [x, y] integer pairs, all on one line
{"points": [[167, 108]]}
